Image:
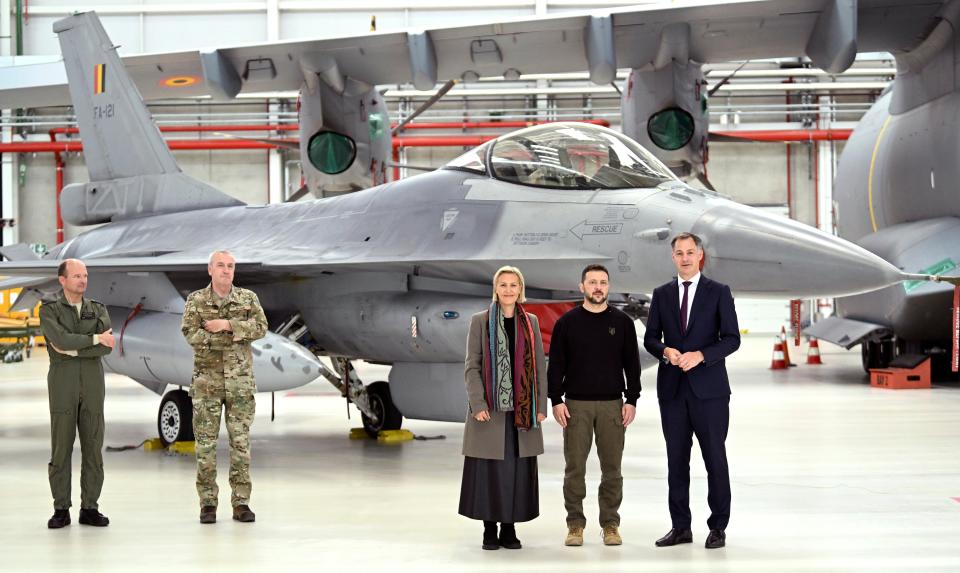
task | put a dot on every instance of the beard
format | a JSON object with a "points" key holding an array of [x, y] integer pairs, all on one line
{"points": [[597, 298]]}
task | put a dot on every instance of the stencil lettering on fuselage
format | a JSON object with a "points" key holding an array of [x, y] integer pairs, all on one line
{"points": [[523, 239]]}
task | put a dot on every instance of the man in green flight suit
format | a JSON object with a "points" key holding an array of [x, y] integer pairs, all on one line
{"points": [[220, 321], [78, 333]]}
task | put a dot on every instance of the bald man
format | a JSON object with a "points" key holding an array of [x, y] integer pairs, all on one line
{"points": [[77, 331]]}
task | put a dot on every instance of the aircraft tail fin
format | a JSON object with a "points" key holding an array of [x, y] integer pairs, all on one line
{"points": [[132, 171]]}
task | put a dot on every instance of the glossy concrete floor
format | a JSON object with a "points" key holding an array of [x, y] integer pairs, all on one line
{"points": [[828, 475]]}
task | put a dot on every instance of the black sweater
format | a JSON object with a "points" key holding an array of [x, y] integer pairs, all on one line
{"points": [[589, 355]]}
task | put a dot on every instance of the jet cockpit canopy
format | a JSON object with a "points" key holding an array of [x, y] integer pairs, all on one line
{"points": [[567, 155]]}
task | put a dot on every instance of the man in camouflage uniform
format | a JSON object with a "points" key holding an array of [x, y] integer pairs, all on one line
{"points": [[77, 332], [220, 321]]}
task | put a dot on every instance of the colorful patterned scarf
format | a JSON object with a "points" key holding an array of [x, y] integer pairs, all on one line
{"points": [[523, 375]]}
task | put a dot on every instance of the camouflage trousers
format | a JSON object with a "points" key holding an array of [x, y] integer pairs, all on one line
{"points": [[206, 429]]}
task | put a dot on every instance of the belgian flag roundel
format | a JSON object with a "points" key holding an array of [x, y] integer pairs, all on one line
{"points": [[100, 78]]}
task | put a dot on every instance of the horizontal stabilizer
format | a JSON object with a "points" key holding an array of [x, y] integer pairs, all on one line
{"points": [[846, 332], [24, 281], [18, 252]]}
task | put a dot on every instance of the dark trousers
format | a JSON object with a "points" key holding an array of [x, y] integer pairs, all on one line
{"points": [[75, 404], [603, 420], [681, 418]]}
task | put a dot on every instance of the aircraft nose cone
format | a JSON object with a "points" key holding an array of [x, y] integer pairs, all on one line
{"points": [[766, 255]]}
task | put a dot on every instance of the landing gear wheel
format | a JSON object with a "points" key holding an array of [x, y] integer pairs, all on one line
{"points": [[876, 354], [389, 417], [175, 418]]}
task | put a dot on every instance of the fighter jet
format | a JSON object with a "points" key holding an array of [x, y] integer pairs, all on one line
{"points": [[390, 274], [895, 189]]}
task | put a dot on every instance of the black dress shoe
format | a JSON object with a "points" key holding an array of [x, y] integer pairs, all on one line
{"points": [[717, 538], [508, 537], [94, 518], [490, 542], [675, 537], [61, 518]]}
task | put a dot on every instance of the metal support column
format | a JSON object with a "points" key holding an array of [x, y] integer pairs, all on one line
{"points": [[275, 190], [825, 168], [8, 161]]}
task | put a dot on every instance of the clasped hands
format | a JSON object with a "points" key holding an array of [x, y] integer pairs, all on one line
{"points": [[685, 360]]}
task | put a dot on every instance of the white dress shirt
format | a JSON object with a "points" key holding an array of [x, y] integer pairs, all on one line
{"points": [[691, 291]]}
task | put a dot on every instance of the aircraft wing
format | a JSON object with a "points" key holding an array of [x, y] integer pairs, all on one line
{"points": [[258, 265], [828, 31]]}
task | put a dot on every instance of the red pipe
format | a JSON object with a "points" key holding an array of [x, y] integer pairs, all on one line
{"points": [[58, 159], [443, 141], [783, 135], [175, 144], [789, 187], [437, 141], [492, 124], [396, 160], [202, 128], [816, 186], [295, 127]]}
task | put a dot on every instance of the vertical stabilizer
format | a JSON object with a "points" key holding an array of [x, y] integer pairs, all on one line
{"points": [[119, 136], [132, 171]]}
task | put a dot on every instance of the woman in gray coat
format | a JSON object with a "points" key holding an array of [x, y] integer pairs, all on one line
{"points": [[506, 378]]}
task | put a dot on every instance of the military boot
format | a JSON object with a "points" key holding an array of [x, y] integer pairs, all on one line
{"points": [[93, 517], [574, 536], [61, 518], [208, 514], [242, 513]]}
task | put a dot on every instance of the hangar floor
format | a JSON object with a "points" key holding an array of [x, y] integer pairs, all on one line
{"points": [[828, 475]]}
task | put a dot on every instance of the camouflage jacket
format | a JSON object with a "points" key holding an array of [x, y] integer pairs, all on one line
{"points": [[223, 361], [68, 331]]}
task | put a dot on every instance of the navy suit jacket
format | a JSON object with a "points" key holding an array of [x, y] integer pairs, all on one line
{"points": [[712, 329]]}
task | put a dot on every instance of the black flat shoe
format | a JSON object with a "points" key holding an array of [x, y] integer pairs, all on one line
{"points": [[675, 537], [61, 518], [716, 539]]}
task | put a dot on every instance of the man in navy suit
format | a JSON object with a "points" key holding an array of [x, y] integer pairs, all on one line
{"points": [[692, 328]]}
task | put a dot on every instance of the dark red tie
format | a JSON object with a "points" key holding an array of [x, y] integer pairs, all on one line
{"points": [[683, 308]]}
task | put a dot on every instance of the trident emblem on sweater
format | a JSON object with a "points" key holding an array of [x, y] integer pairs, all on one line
{"points": [[612, 331]]}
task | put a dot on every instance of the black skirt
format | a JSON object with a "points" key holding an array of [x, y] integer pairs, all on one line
{"points": [[506, 490]]}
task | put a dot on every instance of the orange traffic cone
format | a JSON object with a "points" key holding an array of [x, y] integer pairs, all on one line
{"points": [[813, 353], [778, 362], [786, 345]]}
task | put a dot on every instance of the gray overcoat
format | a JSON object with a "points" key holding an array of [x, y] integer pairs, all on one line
{"points": [[485, 439]]}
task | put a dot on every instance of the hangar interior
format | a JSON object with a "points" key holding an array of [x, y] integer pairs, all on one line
{"points": [[781, 102], [829, 473]]}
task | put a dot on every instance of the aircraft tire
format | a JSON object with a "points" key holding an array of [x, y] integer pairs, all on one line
{"points": [[175, 418], [876, 354], [382, 403]]}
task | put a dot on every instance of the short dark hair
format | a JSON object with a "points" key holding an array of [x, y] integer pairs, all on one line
{"points": [[594, 267], [697, 240], [62, 269]]}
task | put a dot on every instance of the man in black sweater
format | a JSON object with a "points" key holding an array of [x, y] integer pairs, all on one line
{"points": [[591, 349]]}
